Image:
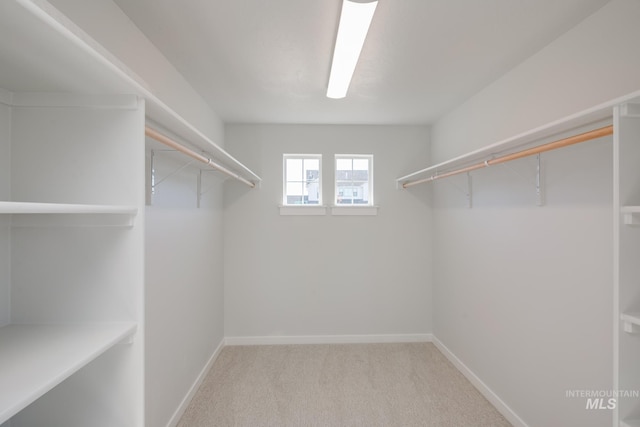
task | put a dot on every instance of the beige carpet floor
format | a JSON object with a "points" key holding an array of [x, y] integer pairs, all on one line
{"points": [[338, 385]]}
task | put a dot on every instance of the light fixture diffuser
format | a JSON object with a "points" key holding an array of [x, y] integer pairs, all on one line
{"points": [[355, 19]]}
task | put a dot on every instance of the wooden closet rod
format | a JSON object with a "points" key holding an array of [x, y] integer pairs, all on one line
{"points": [[152, 133], [596, 133]]}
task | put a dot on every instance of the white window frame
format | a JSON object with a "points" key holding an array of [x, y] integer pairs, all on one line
{"points": [[369, 203], [285, 157]]}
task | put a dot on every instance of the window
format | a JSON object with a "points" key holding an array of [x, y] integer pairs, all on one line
{"points": [[302, 179], [354, 180]]}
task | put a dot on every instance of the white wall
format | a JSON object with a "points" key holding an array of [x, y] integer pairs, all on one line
{"points": [[327, 275], [523, 294], [595, 62], [184, 284]]}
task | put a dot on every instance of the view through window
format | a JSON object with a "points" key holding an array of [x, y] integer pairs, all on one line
{"points": [[302, 180], [354, 181]]}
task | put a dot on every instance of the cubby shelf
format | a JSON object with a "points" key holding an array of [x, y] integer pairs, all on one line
{"points": [[36, 358], [631, 215], [68, 215], [61, 208]]}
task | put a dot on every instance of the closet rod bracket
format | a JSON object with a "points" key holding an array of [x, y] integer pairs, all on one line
{"points": [[537, 181], [156, 182], [468, 191]]}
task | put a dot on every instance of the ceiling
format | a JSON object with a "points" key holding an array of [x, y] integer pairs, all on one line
{"points": [[268, 61]]}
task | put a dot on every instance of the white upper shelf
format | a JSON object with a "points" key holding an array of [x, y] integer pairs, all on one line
{"points": [[587, 118], [41, 50]]}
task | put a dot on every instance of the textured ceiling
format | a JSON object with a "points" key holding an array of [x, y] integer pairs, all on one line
{"points": [[259, 61]]}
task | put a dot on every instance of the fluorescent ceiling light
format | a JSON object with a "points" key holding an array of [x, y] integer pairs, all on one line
{"points": [[352, 30]]}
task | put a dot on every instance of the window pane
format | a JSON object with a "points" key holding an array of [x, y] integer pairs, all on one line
{"points": [[345, 193], [344, 169], [353, 180], [361, 164], [294, 170], [311, 170], [312, 164], [313, 193], [344, 164], [361, 192], [294, 189], [342, 175], [360, 175], [302, 180], [295, 194]]}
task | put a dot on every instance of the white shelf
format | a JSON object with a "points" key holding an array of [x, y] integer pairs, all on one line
{"points": [[631, 215], [56, 55], [591, 118], [67, 215], [36, 358], [630, 423], [631, 322], [62, 208]]}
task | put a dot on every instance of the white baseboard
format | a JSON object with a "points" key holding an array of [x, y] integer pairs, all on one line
{"points": [[329, 339], [499, 404], [194, 388]]}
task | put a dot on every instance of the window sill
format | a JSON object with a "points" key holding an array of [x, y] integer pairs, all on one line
{"points": [[354, 210], [303, 210]]}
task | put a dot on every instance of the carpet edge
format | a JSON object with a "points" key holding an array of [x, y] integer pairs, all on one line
{"points": [[489, 394], [179, 412]]}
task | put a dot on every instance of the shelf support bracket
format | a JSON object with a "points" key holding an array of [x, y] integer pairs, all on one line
{"points": [[538, 179], [631, 328], [468, 191], [630, 323], [631, 218], [200, 190], [170, 174], [152, 182]]}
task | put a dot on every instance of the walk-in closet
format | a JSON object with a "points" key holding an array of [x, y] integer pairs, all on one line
{"points": [[196, 229]]}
